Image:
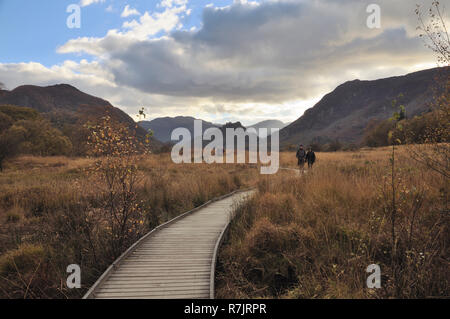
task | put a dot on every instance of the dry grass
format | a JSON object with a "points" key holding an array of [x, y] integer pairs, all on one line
{"points": [[313, 235], [301, 236], [51, 208]]}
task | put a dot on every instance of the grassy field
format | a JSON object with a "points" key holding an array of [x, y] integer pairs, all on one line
{"points": [[313, 235], [51, 215], [306, 235]]}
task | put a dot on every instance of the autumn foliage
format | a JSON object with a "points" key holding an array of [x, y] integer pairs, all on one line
{"points": [[115, 169]]}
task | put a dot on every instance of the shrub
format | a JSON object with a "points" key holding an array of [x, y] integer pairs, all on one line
{"points": [[23, 260], [25, 272]]}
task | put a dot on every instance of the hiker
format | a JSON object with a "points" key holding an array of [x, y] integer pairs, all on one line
{"points": [[310, 157], [301, 155]]}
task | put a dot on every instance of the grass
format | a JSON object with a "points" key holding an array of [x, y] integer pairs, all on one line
{"points": [[313, 236], [301, 236], [52, 209]]}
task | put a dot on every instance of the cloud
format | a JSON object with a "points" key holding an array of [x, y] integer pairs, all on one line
{"points": [[95, 79], [255, 52], [171, 3], [151, 24], [245, 60], [127, 11], [85, 3]]}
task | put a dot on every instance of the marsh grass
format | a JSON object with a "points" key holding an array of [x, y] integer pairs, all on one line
{"points": [[306, 235], [313, 235], [52, 215]]}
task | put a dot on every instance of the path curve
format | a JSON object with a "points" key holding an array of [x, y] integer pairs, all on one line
{"points": [[175, 260]]}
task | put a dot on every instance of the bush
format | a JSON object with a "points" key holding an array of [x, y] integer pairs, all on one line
{"points": [[24, 272], [17, 113], [9, 143], [5, 122], [377, 133], [42, 139], [24, 131], [23, 260]]}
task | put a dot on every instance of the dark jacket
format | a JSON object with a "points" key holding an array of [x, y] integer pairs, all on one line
{"points": [[301, 154], [310, 157]]}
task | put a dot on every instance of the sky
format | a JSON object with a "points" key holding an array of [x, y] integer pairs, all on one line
{"points": [[226, 60]]}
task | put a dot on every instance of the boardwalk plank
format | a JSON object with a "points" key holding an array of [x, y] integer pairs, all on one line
{"points": [[175, 261]]}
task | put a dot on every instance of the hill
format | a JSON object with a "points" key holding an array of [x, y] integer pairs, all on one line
{"points": [[344, 113], [68, 108], [162, 127], [269, 124]]}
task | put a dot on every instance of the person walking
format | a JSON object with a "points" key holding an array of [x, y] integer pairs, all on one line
{"points": [[301, 157], [310, 157]]}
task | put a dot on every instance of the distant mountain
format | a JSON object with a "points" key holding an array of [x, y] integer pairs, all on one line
{"points": [[345, 112], [67, 107], [162, 127], [268, 124], [234, 125]]}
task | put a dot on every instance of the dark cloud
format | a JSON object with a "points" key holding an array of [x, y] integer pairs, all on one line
{"points": [[272, 53], [268, 52]]}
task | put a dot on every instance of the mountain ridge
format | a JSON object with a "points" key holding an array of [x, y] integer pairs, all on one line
{"points": [[344, 112], [163, 126], [68, 108]]}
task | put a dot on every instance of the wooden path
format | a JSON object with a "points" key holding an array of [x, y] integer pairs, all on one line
{"points": [[176, 260]]}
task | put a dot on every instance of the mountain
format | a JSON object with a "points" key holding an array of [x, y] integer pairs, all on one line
{"points": [[344, 113], [162, 127], [269, 124], [67, 107], [234, 126]]}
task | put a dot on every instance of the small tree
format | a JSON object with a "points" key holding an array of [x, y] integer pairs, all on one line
{"points": [[402, 202], [434, 32], [9, 143], [117, 150], [435, 152]]}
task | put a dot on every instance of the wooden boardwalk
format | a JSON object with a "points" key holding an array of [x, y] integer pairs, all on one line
{"points": [[176, 260]]}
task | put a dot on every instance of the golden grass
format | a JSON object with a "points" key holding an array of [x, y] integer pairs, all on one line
{"points": [[313, 235], [302, 236], [53, 204]]}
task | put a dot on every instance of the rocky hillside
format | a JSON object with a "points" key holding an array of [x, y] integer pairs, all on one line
{"points": [[344, 113]]}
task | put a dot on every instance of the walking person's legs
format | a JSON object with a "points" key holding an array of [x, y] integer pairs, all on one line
{"points": [[301, 166]]}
